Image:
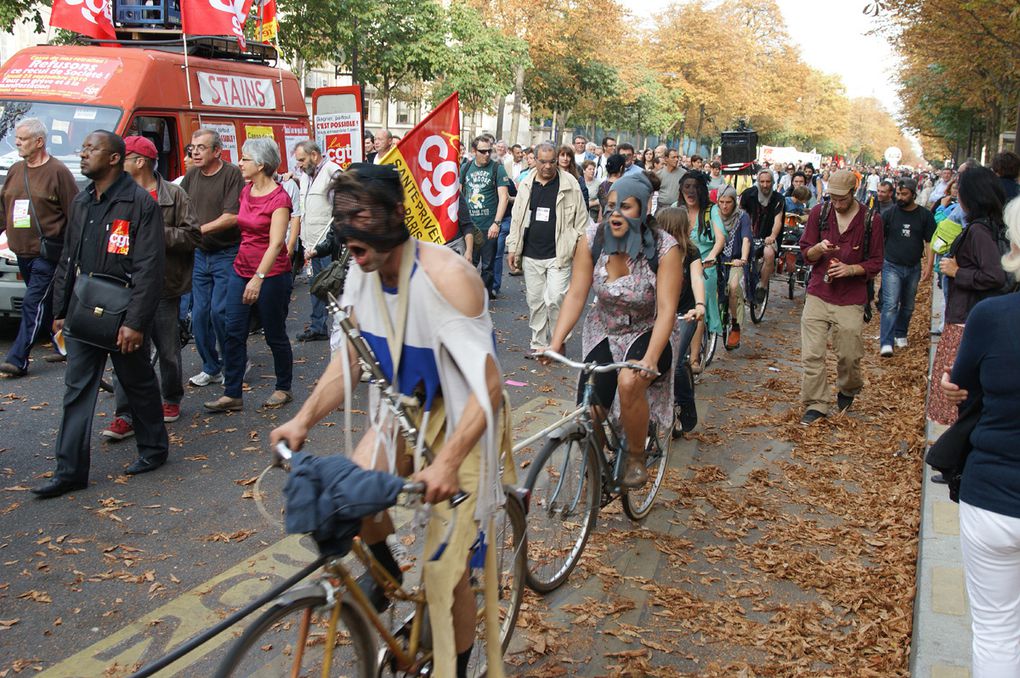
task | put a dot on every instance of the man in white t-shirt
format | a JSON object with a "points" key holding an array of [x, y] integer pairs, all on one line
{"points": [[383, 143]]}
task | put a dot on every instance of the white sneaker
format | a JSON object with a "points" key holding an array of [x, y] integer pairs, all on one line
{"points": [[203, 379], [901, 342], [886, 351]]}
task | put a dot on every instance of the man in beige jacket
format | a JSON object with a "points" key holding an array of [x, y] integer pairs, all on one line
{"points": [[548, 218]]}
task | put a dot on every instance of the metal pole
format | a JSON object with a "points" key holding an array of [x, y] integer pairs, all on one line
{"points": [[187, 73], [209, 634]]}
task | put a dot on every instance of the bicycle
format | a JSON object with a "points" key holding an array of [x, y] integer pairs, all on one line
{"points": [[791, 260], [752, 274], [327, 625], [573, 476]]}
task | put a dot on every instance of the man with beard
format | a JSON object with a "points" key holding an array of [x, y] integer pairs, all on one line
{"points": [[767, 210], [315, 179], [115, 230], [844, 253], [908, 227]]}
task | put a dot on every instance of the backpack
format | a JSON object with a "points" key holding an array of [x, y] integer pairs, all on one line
{"points": [[599, 243], [869, 217]]}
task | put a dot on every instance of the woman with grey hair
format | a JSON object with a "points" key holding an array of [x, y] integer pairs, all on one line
{"points": [[984, 376], [261, 276]]}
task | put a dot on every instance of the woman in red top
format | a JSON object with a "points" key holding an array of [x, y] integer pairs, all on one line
{"points": [[261, 276]]}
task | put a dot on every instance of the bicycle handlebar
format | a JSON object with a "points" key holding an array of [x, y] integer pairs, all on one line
{"points": [[595, 367]]}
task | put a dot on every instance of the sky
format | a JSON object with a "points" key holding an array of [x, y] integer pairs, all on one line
{"points": [[832, 37]]}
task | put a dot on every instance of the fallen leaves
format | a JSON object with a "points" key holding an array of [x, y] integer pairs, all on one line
{"points": [[233, 537], [37, 596]]}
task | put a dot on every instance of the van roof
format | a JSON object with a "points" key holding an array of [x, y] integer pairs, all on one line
{"points": [[130, 77]]}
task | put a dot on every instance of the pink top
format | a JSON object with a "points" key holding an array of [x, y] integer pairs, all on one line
{"points": [[254, 218]]}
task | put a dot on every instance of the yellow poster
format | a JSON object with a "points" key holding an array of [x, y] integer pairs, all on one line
{"points": [[257, 131]]}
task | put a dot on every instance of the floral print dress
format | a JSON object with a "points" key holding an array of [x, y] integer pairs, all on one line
{"points": [[623, 310]]}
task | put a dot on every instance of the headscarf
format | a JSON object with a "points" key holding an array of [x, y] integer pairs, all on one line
{"points": [[763, 197], [730, 222], [639, 237]]}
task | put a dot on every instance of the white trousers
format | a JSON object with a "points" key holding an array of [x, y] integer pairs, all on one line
{"points": [[991, 561], [546, 285]]}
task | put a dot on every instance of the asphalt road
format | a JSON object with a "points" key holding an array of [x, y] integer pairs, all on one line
{"points": [[99, 581]]}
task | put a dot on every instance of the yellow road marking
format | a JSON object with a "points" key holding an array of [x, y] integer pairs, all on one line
{"points": [[146, 638]]}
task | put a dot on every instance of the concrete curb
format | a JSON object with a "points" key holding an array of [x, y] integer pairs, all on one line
{"points": [[940, 646]]}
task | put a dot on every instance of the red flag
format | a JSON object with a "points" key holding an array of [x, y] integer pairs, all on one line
{"points": [[215, 17], [428, 158], [93, 18], [267, 20]]}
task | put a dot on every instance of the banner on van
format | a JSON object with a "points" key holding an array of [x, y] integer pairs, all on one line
{"points": [[428, 158], [215, 17], [76, 77]]}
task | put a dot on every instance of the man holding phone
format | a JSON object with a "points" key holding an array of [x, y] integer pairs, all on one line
{"points": [[845, 253]]}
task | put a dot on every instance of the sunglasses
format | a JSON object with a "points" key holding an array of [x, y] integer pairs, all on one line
{"points": [[486, 151]]}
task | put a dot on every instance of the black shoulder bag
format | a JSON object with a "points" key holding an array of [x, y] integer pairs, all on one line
{"points": [[949, 453], [50, 249], [98, 306]]}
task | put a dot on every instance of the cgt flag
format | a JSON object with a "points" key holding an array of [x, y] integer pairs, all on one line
{"points": [[215, 17], [267, 20], [428, 158], [93, 18]]}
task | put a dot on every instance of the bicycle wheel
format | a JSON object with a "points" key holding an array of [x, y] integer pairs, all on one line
{"points": [[565, 483], [709, 343], [758, 309], [791, 282], [638, 502], [289, 639], [510, 542]]}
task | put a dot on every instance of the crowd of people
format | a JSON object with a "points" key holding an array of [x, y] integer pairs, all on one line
{"points": [[662, 242]]}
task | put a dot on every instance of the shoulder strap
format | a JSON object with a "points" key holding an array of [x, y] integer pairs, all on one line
{"points": [[596, 245], [869, 217], [823, 217]]}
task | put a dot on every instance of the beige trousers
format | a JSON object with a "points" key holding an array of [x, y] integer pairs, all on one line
{"points": [[736, 282], [546, 285], [845, 324]]}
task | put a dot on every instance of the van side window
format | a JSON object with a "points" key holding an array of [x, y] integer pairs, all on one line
{"points": [[162, 132]]}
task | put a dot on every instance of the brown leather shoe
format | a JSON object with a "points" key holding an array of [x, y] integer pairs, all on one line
{"points": [[225, 404], [278, 399], [636, 474]]}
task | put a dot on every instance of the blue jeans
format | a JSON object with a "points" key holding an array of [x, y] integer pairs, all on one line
{"points": [[497, 265], [273, 303], [899, 287], [209, 304], [36, 307], [318, 320]]}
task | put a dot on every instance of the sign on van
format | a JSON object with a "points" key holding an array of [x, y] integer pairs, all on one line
{"points": [[74, 77], [235, 91], [339, 137]]}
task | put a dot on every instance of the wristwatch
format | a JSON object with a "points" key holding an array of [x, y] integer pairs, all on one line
{"points": [[260, 276]]}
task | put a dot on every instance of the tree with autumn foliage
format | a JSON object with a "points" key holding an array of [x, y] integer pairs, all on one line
{"points": [[959, 84]]}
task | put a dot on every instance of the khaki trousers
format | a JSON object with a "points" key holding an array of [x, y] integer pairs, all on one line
{"points": [[845, 324], [546, 285]]}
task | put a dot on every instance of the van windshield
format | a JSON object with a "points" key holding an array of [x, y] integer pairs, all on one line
{"points": [[68, 125]]}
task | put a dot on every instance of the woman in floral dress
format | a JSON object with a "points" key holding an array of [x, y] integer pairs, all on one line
{"points": [[636, 273]]}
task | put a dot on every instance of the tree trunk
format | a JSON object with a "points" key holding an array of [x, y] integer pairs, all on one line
{"points": [[499, 118], [386, 104], [515, 117], [1016, 139], [701, 122]]}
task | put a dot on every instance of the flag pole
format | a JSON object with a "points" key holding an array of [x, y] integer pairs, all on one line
{"points": [[187, 72]]}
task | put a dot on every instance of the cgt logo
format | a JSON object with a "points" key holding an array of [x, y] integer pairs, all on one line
{"points": [[339, 149], [90, 9], [437, 157]]}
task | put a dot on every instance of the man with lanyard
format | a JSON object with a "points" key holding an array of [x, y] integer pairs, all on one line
{"points": [[315, 178], [844, 254], [35, 202], [767, 210], [421, 308], [488, 190]]}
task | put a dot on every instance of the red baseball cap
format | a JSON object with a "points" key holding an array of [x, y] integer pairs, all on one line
{"points": [[141, 146]]}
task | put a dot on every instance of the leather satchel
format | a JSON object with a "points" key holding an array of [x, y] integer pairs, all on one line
{"points": [[949, 453], [97, 309], [330, 280]]}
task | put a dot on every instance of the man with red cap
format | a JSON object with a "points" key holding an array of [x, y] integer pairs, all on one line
{"points": [[181, 235]]}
